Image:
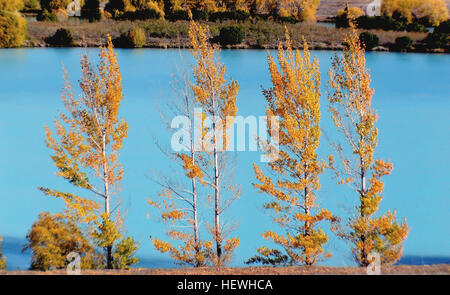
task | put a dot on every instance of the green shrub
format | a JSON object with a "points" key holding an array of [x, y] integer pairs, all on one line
{"points": [[141, 14], [137, 37], [54, 4], [437, 40], [124, 254], [61, 38], [31, 5], [200, 15], [46, 16], [272, 257], [114, 6], [181, 14], [134, 38], [91, 10], [403, 43], [164, 29], [238, 15], [415, 27], [287, 19], [397, 15], [231, 35], [342, 21], [13, 29], [369, 40], [444, 27], [380, 22], [368, 23], [178, 15], [241, 15]]}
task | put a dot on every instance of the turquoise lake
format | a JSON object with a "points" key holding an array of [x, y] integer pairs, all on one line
{"points": [[412, 98]]}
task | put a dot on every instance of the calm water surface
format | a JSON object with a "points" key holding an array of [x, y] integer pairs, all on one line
{"points": [[412, 97]]}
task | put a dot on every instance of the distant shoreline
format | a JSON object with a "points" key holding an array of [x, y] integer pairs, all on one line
{"points": [[166, 34]]}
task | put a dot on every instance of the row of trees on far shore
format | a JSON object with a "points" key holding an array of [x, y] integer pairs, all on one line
{"points": [[430, 11], [238, 20], [303, 10], [87, 138]]}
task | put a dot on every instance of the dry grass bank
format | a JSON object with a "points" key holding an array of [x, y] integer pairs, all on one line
{"points": [[165, 34], [442, 269]]}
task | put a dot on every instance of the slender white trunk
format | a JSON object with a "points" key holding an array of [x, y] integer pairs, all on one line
{"points": [[217, 206], [364, 255], [197, 246], [194, 208], [107, 196], [105, 175], [217, 232]]}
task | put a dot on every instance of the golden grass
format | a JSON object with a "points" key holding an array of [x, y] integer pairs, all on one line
{"points": [[442, 269]]}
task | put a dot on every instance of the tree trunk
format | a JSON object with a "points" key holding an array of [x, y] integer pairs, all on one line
{"points": [[194, 205], [197, 246], [107, 199], [194, 209], [109, 257], [364, 255], [217, 232], [308, 260], [218, 237]]}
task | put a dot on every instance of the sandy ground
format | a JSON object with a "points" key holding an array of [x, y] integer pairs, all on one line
{"points": [[441, 269]]}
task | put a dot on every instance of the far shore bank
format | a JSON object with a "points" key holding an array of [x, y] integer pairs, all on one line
{"points": [[165, 34]]}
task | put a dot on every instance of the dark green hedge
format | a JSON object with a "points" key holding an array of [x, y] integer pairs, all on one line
{"points": [[61, 38]]}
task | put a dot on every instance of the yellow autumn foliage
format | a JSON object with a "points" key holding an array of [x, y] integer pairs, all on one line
{"points": [[11, 5], [353, 115], [86, 143], [217, 98], [294, 179], [13, 29], [351, 12], [435, 10]]}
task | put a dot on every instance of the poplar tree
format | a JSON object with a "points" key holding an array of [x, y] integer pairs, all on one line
{"points": [[351, 110], [86, 147], [179, 201], [292, 182], [217, 98]]}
